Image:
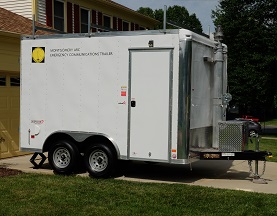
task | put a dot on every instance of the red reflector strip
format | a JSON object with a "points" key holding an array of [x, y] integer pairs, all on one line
{"points": [[32, 136]]}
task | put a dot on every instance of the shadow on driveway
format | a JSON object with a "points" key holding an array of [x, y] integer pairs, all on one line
{"points": [[183, 173], [160, 172]]}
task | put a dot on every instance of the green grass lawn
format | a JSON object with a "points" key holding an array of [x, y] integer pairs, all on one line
{"points": [[267, 145], [32, 194], [272, 122]]}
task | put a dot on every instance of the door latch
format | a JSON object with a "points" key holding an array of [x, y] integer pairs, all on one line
{"points": [[133, 103]]}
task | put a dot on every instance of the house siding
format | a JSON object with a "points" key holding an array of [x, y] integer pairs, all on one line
{"points": [[21, 7], [43, 10]]}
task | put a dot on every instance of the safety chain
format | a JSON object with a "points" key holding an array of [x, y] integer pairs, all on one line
{"points": [[251, 168]]}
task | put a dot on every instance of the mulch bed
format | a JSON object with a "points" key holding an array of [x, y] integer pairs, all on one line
{"points": [[9, 172]]}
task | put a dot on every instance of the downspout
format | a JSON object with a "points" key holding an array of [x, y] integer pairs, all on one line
{"points": [[33, 26], [164, 23], [218, 86], [33, 18]]}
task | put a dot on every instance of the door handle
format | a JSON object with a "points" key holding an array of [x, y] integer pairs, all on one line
{"points": [[133, 103]]}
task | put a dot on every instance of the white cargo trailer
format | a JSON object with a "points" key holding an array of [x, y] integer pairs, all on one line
{"points": [[144, 95]]}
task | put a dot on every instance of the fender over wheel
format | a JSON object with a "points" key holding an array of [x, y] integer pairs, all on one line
{"points": [[63, 157], [100, 160]]}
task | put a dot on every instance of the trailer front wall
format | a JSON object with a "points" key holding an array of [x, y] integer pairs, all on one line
{"points": [[195, 95], [201, 96]]}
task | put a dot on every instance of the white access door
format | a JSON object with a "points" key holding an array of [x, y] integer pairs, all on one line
{"points": [[150, 85]]}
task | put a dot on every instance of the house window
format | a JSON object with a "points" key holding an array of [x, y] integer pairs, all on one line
{"points": [[84, 20], [15, 81], [3, 80], [59, 15], [125, 26], [107, 21]]}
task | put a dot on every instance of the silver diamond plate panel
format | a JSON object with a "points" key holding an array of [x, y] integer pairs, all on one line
{"points": [[232, 136]]}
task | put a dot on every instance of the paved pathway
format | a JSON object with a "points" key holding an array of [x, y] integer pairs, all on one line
{"points": [[218, 174]]}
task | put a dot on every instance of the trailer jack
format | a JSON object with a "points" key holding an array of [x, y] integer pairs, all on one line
{"points": [[255, 175]]}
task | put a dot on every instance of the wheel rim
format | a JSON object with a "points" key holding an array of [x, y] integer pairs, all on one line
{"points": [[98, 160], [252, 133], [61, 157]]}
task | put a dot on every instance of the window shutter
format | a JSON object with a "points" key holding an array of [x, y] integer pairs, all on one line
{"points": [[76, 18], [119, 24], [93, 19], [100, 15], [49, 14], [115, 23], [69, 17]]}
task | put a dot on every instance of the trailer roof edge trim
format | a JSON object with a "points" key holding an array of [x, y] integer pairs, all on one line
{"points": [[185, 34], [101, 34]]}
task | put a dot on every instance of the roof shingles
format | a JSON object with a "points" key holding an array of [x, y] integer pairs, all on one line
{"points": [[11, 22]]}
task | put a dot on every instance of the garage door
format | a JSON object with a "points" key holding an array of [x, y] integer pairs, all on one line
{"points": [[9, 115]]}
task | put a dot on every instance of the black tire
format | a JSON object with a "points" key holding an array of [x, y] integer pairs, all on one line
{"points": [[63, 157], [100, 161]]}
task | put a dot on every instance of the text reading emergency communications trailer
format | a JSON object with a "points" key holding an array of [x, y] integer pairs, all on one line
{"points": [[145, 95]]}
